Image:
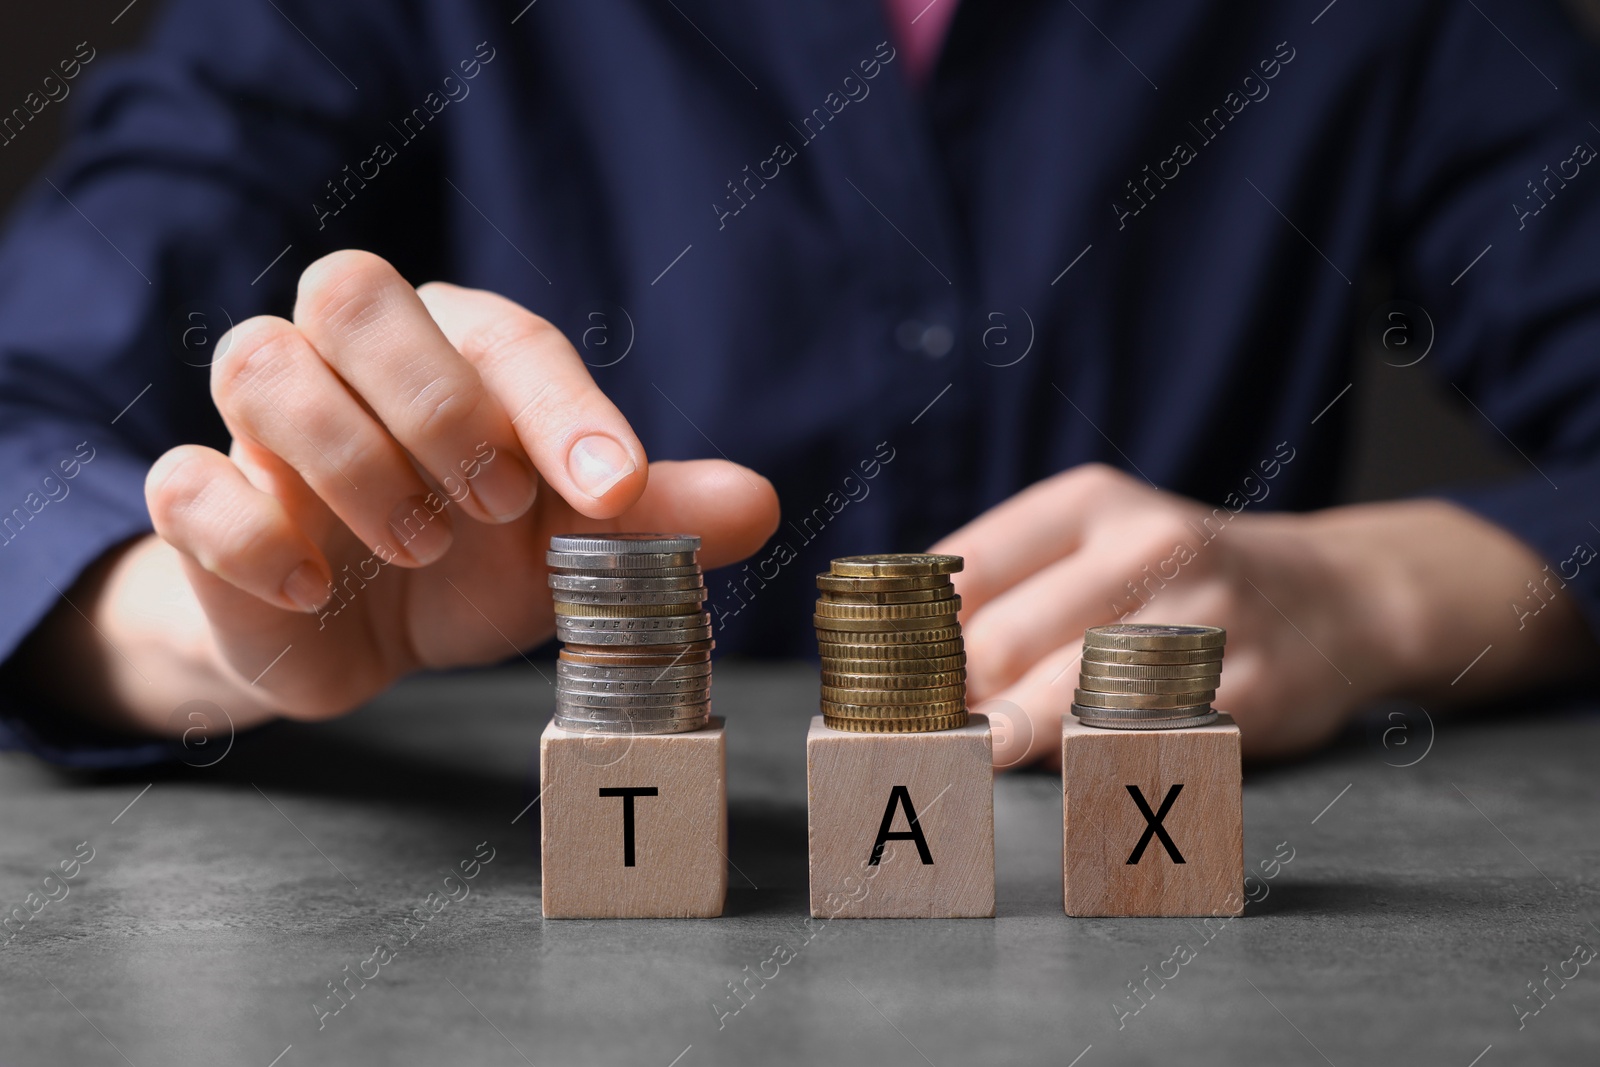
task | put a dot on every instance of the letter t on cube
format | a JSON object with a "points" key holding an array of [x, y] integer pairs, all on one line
{"points": [[633, 826]]}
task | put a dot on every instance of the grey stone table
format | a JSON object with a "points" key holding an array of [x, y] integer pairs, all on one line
{"points": [[217, 904]]}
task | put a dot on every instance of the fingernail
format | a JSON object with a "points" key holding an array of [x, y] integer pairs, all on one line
{"points": [[420, 528], [503, 487], [306, 587], [596, 463]]}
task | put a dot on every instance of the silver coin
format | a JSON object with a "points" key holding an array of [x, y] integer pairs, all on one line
{"points": [[695, 653], [690, 598], [630, 729], [642, 638], [587, 699], [674, 687], [591, 624], [602, 713], [1165, 702], [591, 713], [1139, 714], [1146, 686], [628, 574], [578, 626], [637, 696], [593, 583], [1180, 723], [574, 630], [677, 688], [617, 563], [625, 543], [591, 672], [1154, 637], [593, 696], [625, 725]]}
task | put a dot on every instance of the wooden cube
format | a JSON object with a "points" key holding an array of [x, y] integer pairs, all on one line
{"points": [[1152, 820], [901, 825], [633, 827]]}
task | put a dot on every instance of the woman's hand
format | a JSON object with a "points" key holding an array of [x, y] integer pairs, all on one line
{"points": [[400, 459], [1324, 611]]}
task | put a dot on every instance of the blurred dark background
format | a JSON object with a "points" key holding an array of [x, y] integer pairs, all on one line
{"points": [[1411, 431]]}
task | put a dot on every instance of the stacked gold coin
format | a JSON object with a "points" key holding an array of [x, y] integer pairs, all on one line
{"points": [[892, 658], [1137, 677]]}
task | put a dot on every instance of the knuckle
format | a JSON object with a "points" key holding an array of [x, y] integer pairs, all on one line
{"points": [[344, 291], [1164, 532], [239, 545], [509, 336], [543, 404], [430, 291], [1085, 486], [1216, 603], [444, 407], [258, 351], [1096, 475], [175, 482], [339, 448], [992, 653]]}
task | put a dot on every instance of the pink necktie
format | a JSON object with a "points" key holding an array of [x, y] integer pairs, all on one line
{"points": [[919, 27]]}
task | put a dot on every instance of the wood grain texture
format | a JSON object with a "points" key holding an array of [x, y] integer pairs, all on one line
{"points": [[1102, 824], [680, 835], [948, 779]]}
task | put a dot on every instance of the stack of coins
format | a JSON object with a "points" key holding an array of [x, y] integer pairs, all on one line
{"points": [[636, 655], [1149, 677], [892, 658]]}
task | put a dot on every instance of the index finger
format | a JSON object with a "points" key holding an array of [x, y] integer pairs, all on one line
{"points": [[580, 443]]}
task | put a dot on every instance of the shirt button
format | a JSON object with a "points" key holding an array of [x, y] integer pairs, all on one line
{"points": [[908, 335], [931, 339]]}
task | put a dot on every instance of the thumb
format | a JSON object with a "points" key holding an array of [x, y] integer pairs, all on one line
{"points": [[733, 509]]}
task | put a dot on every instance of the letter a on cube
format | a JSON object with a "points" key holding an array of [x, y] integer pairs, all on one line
{"points": [[901, 825]]}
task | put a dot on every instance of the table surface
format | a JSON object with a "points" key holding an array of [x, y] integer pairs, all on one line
{"points": [[1420, 901]]}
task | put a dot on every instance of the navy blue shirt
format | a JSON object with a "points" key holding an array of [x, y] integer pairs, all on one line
{"points": [[1132, 232]]}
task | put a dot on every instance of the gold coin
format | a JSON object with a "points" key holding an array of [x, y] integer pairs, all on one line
{"points": [[897, 726], [895, 565], [909, 596], [904, 681], [1152, 670], [877, 697], [1151, 657], [890, 654], [567, 655], [893, 668], [841, 710], [948, 605], [1117, 686], [626, 611], [834, 583], [1154, 637], [1091, 699], [930, 629]]}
